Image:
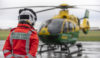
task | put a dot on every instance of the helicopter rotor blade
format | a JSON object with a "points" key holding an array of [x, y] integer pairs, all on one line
{"points": [[94, 10], [46, 9], [26, 7], [85, 5], [87, 9], [66, 7], [53, 7]]}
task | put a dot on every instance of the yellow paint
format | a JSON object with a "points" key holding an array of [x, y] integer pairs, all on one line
{"points": [[63, 26], [77, 28], [64, 37], [62, 14], [73, 18], [84, 24], [44, 31], [63, 5]]}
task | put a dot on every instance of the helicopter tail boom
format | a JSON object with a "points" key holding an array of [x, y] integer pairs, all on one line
{"points": [[85, 23]]}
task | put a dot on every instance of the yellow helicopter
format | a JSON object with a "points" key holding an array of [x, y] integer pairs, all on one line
{"points": [[61, 31], [64, 26]]}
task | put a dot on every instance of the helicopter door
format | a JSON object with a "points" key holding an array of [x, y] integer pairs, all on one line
{"points": [[55, 26], [68, 27], [65, 27]]}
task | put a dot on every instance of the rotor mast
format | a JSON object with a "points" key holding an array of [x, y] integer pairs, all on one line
{"points": [[64, 13]]}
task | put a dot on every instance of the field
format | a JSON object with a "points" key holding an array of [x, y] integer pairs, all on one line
{"points": [[4, 34], [91, 36]]}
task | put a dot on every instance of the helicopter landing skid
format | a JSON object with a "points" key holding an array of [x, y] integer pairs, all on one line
{"points": [[48, 48], [62, 49]]}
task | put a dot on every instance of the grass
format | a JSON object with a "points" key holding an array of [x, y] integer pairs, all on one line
{"points": [[4, 34], [91, 36]]}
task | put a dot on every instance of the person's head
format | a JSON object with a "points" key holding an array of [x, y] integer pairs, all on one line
{"points": [[27, 16]]}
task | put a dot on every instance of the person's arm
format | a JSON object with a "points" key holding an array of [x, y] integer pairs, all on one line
{"points": [[7, 49], [34, 41]]}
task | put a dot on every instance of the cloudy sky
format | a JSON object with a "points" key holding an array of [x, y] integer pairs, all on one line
{"points": [[8, 18]]}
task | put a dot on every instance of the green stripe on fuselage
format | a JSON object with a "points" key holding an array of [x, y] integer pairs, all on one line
{"points": [[70, 37]]}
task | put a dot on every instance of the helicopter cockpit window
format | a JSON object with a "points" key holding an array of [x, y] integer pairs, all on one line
{"points": [[48, 22], [45, 24], [55, 26]]}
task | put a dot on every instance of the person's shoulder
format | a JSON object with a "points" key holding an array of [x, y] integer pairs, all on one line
{"points": [[12, 29], [33, 31]]}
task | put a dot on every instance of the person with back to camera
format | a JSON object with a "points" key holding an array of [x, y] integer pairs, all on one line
{"points": [[22, 41]]}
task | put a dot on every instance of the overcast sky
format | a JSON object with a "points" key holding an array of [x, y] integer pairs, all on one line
{"points": [[8, 18]]}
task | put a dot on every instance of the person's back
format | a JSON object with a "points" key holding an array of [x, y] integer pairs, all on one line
{"points": [[22, 42]]}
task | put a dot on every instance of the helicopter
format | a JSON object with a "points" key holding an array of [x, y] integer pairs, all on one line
{"points": [[61, 31]]}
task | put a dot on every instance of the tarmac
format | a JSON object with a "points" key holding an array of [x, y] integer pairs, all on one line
{"points": [[92, 50]]}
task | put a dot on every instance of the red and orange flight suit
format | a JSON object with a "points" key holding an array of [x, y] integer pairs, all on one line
{"points": [[22, 42]]}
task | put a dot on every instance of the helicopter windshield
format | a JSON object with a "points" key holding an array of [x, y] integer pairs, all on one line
{"points": [[55, 26]]}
